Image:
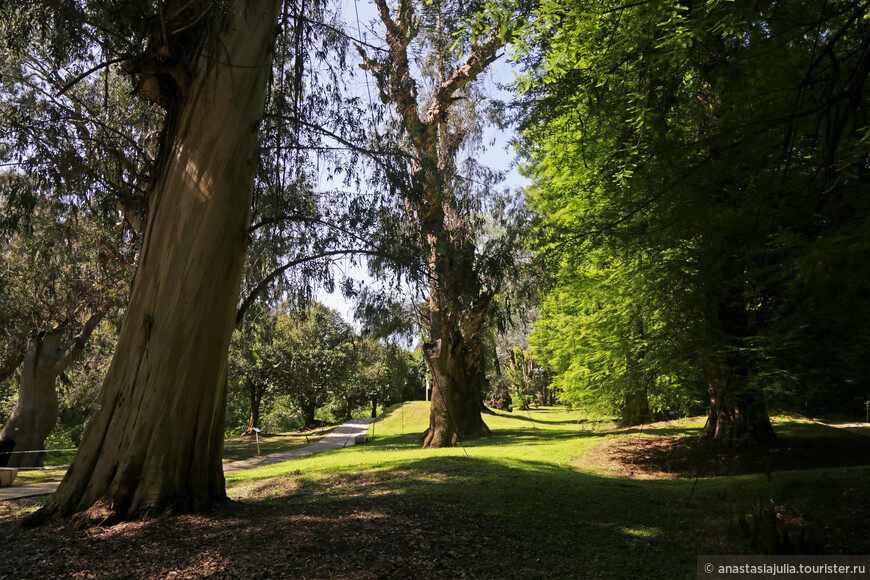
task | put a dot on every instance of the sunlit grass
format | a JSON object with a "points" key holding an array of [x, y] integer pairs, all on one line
{"points": [[542, 484], [540, 476], [27, 476]]}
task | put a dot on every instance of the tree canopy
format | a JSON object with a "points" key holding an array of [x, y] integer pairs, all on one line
{"points": [[698, 169]]}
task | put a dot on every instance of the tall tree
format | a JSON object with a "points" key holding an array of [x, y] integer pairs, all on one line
{"points": [[460, 268], [69, 200], [317, 357], [691, 152], [253, 364], [46, 356], [381, 374], [155, 441]]}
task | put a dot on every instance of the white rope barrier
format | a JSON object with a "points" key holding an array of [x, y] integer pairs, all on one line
{"points": [[45, 468], [36, 451]]}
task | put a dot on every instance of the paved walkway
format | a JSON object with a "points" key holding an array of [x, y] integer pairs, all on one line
{"points": [[856, 428], [344, 435]]}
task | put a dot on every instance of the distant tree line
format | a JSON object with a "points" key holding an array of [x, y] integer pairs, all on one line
{"points": [[292, 369]]}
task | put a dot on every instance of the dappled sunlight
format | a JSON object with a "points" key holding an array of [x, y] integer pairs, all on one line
{"points": [[642, 532], [196, 177], [390, 505], [265, 488]]}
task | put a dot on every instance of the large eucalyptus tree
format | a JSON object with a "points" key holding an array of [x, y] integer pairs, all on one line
{"points": [[155, 440], [437, 119]]}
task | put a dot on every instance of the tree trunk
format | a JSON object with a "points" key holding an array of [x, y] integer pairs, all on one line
{"points": [[308, 416], [457, 369], [374, 407], [738, 415], [635, 409], [155, 441], [457, 301], [35, 413], [255, 394]]}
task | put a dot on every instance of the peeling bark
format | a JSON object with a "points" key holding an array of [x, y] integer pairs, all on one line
{"points": [[46, 356], [155, 441]]}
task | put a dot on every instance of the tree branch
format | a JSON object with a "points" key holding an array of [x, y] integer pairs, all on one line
{"points": [[78, 344], [482, 56], [312, 220], [264, 283], [403, 89], [100, 66], [350, 145]]}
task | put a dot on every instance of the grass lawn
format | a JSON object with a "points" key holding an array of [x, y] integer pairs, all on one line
{"points": [[549, 495], [536, 499]]}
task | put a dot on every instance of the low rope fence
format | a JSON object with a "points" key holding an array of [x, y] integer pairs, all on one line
{"points": [[6, 454]]}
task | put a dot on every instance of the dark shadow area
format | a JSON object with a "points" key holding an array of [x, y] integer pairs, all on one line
{"points": [[452, 517], [527, 435], [6, 448], [686, 457]]}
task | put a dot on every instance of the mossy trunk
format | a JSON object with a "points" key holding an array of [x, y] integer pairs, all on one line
{"points": [[155, 441], [458, 301], [456, 363]]}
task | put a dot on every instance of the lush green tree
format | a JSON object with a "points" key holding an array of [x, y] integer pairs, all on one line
{"points": [[693, 164], [613, 347], [381, 376], [253, 364], [317, 358]]}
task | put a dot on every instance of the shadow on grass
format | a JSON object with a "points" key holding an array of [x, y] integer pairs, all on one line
{"points": [[674, 431], [451, 516], [499, 436], [534, 415], [436, 517]]}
